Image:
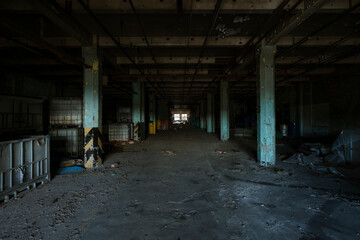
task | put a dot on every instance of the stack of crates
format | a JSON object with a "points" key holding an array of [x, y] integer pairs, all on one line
{"points": [[66, 130], [120, 131]]}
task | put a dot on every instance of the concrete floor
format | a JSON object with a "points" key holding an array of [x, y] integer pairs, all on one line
{"points": [[194, 194]]}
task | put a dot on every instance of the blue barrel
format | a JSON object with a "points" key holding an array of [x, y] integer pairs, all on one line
{"points": [[293, 129]]}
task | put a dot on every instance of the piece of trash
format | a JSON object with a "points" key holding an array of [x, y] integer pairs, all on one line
{"points": [[220, 152], [168, 152], [134, 203], [71, 162], [115, 165]]}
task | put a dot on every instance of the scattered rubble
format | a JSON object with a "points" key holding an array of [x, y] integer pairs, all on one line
{"points": [[168, 152]]}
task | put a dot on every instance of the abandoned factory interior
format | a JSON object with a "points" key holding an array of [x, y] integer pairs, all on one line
{"points": [[180, 119]]}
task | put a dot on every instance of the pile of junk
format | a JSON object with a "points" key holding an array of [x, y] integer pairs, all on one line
{"points": [[345, 150]]}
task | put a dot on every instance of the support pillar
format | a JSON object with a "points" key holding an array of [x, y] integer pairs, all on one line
{"points": [[210, 113], [197, 118], [136, 109], [142, 96], [266, 142], [92, 101], [224, 111], [203, 114], [152, 113], [142, 112]]}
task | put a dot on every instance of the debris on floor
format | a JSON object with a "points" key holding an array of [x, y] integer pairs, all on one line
{"points": [[168, 152], [314, 148], [220, 152], [115, 165], [70, 170], [347, 146], [71, 162]]}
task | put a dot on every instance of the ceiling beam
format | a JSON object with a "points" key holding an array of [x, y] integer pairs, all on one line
{"points": [[288, 25], [149, 6], [55, 13], [40, 43], [139, 42]]}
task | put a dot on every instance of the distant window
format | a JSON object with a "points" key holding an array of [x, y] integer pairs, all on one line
{"points": [[184, 116], [176, 117]]}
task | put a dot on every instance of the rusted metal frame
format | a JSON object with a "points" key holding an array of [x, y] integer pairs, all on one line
{"points": [[117, 43], [145, 38]]}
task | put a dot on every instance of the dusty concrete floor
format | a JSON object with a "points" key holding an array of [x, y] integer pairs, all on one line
{"points": [[194, 194]]}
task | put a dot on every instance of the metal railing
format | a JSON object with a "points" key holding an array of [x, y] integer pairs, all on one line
{"points": [[24, 163]]}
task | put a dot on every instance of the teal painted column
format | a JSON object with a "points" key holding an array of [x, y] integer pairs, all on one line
{"points": [[266, 142], [142, 96], [136, 108], [213, 113], [92, 102], [197, 111], [210, 113], [152, 107], [203, 114], [224, 111]]}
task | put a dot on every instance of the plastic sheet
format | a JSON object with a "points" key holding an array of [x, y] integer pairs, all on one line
{"points": [[347, 146]]}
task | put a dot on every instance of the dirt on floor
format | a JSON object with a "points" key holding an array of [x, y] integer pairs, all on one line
{"points": [[186, 184]]}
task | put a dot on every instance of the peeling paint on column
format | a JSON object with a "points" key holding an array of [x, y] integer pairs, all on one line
{"points": [[224, 111], [92, 108], [266, 142], [136, 108]]}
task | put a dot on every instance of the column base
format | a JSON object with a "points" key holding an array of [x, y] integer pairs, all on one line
{"points": [[93, 147]]}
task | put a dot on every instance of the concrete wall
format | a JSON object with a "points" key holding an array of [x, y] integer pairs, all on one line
{"points": [[320, 107], [163, 109], [23, 86]]}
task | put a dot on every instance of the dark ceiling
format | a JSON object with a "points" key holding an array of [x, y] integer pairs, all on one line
{"points": [[192, 43]]}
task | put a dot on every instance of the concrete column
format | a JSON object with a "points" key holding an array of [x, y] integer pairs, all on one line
{"points": [[142, 96], [266, 142], [213, 113], [152, 113], [152, 107], [136, 108], [92, 101], [203, 114], [197, 116], [210, 113], [224, 111]]}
